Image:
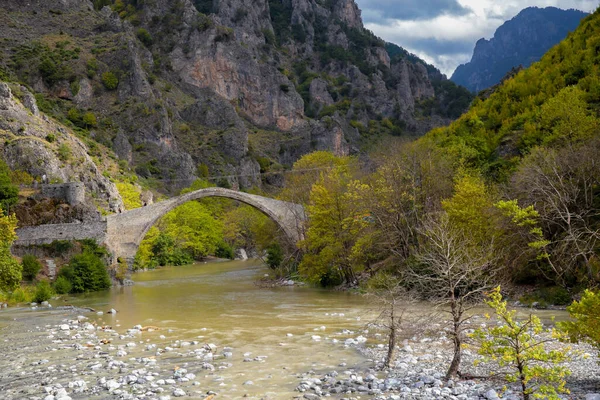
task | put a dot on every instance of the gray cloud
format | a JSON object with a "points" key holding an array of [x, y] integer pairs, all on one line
{"points": [[381, 10], [444, 32]]}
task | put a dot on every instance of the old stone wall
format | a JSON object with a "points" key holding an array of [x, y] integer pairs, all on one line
{"points": [[72, 193], [45, 234]]}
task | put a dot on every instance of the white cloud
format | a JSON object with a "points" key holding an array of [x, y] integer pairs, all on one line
{"points": [[448, 40]]}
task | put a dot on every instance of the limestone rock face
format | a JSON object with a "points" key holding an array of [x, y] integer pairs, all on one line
{"points": [[214, 86], [39, 146]]}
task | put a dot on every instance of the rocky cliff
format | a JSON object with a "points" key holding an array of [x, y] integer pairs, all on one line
{"points": [[519, 42], [226, 89], [35, 144]]}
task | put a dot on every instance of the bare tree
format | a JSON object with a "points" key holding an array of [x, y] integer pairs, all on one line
{"points": [[452, 273], [393, 304], [562, 185]]}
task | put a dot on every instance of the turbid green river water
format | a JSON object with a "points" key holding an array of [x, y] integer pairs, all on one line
{"points": [[219, 303]]}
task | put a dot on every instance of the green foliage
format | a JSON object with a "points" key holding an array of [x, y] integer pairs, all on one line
{"points": [[224, 250], [586, 318], [281, 19], [166, 253], [86, 273], [59, 248], [337, 235], [540, 105], [51, 138], [9, 193], [31, 266], [10, 269], [110, 80], [43, 291], [144, 36], [274, 256], [518, 349], [196, 231], [89, 120], [64, 152], [62, 285], [130, 194]]}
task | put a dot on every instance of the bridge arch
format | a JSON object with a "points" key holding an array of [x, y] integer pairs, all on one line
{"points": [[125, 231]]}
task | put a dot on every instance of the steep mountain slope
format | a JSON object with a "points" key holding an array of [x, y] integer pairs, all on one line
{"points": [[553, 103], [520, 41], [181, 89]]}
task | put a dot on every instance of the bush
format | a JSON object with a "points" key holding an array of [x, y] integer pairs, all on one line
{"points": [[62, 285], [110, 80], [64, 152], [144, 36], [43, 292], [31, 267], [224, 251], [274, 256], [87, 273], [51, 138]]}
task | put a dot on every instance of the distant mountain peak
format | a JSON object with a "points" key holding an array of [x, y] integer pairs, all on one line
{"points": [[520, 41]]}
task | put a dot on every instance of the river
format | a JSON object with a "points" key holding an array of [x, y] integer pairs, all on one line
{"points": [[272, 331]]}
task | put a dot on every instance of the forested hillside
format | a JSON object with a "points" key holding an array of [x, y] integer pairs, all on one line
{"points": [[511, 187]]}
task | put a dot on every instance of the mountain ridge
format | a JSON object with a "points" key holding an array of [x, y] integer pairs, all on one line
{"points": [[521, 40]]}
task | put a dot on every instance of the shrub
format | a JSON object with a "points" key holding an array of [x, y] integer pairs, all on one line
{"points": [[10, 271], [274, 256], [586, 315], [51, 138], [144, 36], [87, 273], [224, 251], [43, 292], [89, 120], [31, 267], [9, 193], [62, 285], [64, 152], [110, 80], [521, 353]]}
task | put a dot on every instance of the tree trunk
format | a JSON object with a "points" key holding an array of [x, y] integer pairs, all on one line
{"points": [[455, 364], [391, 354]]}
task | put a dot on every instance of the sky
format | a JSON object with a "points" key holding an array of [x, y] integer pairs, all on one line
{"points": [[444, 32]]}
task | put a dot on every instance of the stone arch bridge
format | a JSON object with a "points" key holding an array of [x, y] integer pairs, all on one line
{"points": [[123, 233]]}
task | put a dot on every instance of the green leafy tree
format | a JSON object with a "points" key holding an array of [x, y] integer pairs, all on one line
{"points": [[31, 267], [519, 349], [10, 269], [194, 229], [9, 193], [87, 273], [337, 235], [274, 256], [586, 319], [130, 194]]}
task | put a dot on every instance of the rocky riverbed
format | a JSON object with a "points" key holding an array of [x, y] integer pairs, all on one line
{"points": [[55, 354], [420, 366]]}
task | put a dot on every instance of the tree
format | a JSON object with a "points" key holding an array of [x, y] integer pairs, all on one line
{"points": [[10, 269], [9, 193], [562, 184], [87, 273], [519, 349], [337, 235], [454, 273], [31, 267], [194, 229], [586, 319], [110, 80], [410, 182]]}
